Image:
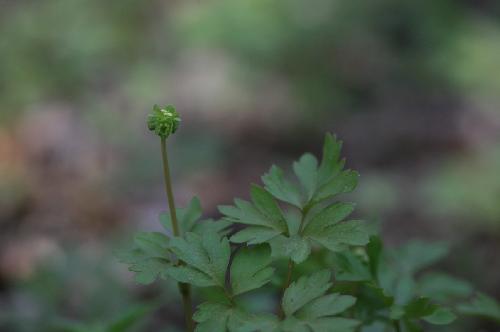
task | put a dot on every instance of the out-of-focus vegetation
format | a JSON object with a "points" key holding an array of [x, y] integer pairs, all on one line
{"points": [[410, 85]]}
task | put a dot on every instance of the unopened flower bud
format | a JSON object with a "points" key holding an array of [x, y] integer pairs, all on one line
{"points": [[163, 120]]}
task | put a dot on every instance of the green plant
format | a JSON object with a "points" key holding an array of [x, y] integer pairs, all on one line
{"points": [[294, 238]]}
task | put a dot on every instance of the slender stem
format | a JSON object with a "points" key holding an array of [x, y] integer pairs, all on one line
{"points": [[288, 280], [397, 328], [168, 187], [187, 304], [184, 289], [289, 274]]}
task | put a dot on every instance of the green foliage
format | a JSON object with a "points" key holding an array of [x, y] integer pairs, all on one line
{"points": [[307, 307], [481, 305], [205, 259], [149, 258], [301, 222], [190, 220], [250, 269], [320, 219]]}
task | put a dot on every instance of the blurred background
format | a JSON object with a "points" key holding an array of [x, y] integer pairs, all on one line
{"points": [[412, 87]]}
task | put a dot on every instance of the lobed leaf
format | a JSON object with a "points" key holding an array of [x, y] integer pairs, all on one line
{"points": [[328, 305], [149, 258], [187, 217], [350, 267], [344, 182], [328, 217], [307, 308], [306, 170], [337, 237], [330, 164], [304, 290], [294, 247], [189, 220], [279, 187], [250, 269], [215, 317], [263, 212], [423, 308], [206, 259], [254, 235]]}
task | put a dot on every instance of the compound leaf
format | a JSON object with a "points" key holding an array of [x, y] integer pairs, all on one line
{"points": [[254, 235], [279, 187], [206, 259], [423, 308], [264, 212], [307, 308], [250, 269], [187, 217], [327, 305], [328, 217], [306, 170], [336, 237], [215, 317], [344, 182], [330, 164], [295, 247], [149, 257], [304, 290]]}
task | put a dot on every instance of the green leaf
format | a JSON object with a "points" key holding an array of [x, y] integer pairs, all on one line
{"points": [[333, 324], [328, 305], [215, 317], [267, 206], [281, 188], [191, 275], [330, 164], [304, 290], [206, 259], [417, 255], [442, 287], [422, 308], [440, 316], [306, 170], [481, 305], [350, 267], [187, 217], [211, 317], [336, 237], [293, 218], [221, 227], [374, 250], [266, 211], [325, 228], [189, 220], [152, 243], [250, 269], [294, 247], [254, 235], [149, 258], [344, 182], [328, 217], [307, 308]]}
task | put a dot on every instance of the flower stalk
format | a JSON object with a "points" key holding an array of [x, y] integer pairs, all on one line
{"points": [[165, 121]]}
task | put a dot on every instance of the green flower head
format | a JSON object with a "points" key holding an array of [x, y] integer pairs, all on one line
{"points": [[164, 120]]}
